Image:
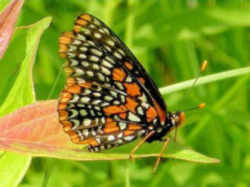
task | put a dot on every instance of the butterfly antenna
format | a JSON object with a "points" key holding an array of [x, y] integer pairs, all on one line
{"points": [[200, 106], [202, 69]]}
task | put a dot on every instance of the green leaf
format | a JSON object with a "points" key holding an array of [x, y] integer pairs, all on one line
{"points": [[13, 166], [192, 156], [22, 92]]}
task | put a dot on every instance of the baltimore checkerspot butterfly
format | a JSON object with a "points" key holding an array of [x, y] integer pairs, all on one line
{"points": [[109, 99]]}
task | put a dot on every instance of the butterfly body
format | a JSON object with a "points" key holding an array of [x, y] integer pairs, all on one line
{"points": [[109, 99]]}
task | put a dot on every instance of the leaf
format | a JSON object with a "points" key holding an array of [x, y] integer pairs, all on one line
{"points": [[23, 86], [192, 156], [35, 130], [14, 166], [8, 19]]}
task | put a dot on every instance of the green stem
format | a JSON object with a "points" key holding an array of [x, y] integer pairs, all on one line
{"points": [[206, 79]]}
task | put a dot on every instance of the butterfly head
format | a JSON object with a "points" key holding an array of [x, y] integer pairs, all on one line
{"points": [[177, 118]]}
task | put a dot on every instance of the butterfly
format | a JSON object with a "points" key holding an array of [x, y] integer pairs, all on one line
{"points": [[109, 99]]}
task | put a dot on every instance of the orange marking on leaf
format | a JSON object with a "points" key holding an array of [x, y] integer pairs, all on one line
{"points": [[142, 80], [132, 89], [118, 74], [86, 17], [128, 65], [123, 115], [74, 89], [132, 127], [131, 104], [161, 113], [128, 132], [81, 22], [151, 114], [109, 110]]}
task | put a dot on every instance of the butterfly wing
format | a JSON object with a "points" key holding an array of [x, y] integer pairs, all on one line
{"points": [[108, 99]]}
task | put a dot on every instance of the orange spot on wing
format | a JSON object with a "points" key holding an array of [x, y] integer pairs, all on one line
{"points": [[65, 97], [67, 126], [132, 89], [74, 137], [123, 115], [86, 17], [62, 55], [131, 104], [118, 74], [133, 127], [77, 28], [81, 22], [85, 85], [91, 141], [128, 65], [109, 110], [64, 40], [62, 106], [62, 48], [142, 80], [74, 89], [151, 114], [128, 132], [70, 81], [63, 115], [68, 71], [161, 113], [111, 127]]}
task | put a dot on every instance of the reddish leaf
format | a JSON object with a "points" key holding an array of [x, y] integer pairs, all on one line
{"points": [[8, 20], [33, 129]]}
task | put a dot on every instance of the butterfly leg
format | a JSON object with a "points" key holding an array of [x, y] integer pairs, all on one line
{"points": [[157, 162], [131, 154]]}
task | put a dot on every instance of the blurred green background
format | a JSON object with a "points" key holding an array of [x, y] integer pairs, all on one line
{"points": [[170, 38]]}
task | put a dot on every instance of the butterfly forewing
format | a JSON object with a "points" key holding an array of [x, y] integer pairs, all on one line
{"points": [[108, 100]]}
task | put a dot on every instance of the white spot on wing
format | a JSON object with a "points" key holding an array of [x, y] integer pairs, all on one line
{"points": [[85, 99], [86, 122], [133, 117]]}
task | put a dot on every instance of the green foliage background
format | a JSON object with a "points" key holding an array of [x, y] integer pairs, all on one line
{"points": [[171, 39]]}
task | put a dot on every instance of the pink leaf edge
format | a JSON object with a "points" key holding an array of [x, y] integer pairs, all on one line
{"points": [[8, 20]]}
